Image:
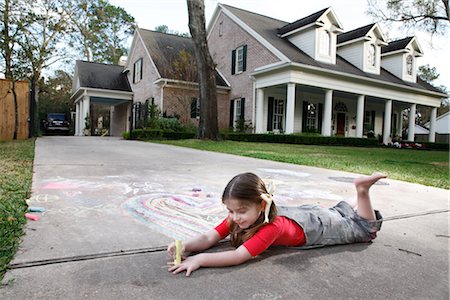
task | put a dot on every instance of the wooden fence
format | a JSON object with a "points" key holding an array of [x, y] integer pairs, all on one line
{"points": [[7, 110]]}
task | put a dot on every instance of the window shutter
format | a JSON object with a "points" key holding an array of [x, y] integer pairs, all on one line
{"points": [[304, 116], [319, 118], [140, 75], [134, 73], [270, 115], [193, 108], [244, 58], [231, 113], [372, 122], [242, 108], [233, 62]]}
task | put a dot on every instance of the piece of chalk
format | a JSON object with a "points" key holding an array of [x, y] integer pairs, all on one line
{"points": [[31, 217], [36, 209], [178, 246], [196, 189]]}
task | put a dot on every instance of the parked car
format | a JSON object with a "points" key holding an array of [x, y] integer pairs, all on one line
{"points": [[56, 123]]}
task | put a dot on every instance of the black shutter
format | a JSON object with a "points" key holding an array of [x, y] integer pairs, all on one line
{"points": [[243, 108], [233, 62], [142, 63], [231, 113], [319, 117], [134, 73], [244, 58], [270, 115], [372, 122], [304, 116], [193, 108]]}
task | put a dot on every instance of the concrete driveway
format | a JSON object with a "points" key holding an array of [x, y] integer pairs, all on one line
{"points": [[113, 205]]}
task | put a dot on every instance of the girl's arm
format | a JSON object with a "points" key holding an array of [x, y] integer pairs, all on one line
{"points": [[220, 259], [198, 243]]}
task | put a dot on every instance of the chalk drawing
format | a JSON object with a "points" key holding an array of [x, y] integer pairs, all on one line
{"points": [[83, 211], [284, 172], [177, 215], [43, 198]]}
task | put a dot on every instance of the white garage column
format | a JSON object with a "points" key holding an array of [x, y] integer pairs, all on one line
{"points": [[411, 123], [360, 116], [387, 121], [432, 134], [290, 108], [259, 126], [86, 112], [77, 121], [326, 119], [80, 118]]}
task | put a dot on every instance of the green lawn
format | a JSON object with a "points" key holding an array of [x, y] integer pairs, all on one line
{"points": [[16, 171], [418, 166]]}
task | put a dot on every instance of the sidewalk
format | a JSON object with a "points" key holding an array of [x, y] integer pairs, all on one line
{"points": [[113, 205]]}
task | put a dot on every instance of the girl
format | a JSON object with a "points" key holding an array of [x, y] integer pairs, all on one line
{"points": [[254, 223]]}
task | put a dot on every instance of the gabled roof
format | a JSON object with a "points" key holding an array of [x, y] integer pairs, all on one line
{"points": [[301, 22], [267, 28], [173, 56], [102, 76], [354, 34], [401, 45]]}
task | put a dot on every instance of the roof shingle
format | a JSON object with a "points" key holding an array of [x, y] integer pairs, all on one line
{"points": [[102, 76]]}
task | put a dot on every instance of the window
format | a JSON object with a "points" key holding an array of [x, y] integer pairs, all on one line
{"points": [[409, 64], [278, 112], [195, 108], [137, 71], [372, 55], [237, 111], [239, 60], [311, 117], [325, 43]]}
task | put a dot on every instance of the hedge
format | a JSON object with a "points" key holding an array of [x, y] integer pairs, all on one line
{"points": [[301, 139], [158, 134]]}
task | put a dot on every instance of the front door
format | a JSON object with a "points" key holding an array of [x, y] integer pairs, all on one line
{"points": [[340, 119]]}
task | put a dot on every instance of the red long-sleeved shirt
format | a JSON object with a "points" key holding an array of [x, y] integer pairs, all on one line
{"points": [[281, 232]]}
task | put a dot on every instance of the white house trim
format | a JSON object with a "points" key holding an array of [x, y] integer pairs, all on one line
{"points": [[253, 33], [315, 24], [182, 82], [148, 53], [351, 82]]}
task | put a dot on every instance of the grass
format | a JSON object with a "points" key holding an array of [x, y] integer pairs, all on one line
{"points": [[16, 171], [424, 167]]}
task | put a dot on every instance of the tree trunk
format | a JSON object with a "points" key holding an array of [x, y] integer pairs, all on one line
{"points": [[208, 127]]}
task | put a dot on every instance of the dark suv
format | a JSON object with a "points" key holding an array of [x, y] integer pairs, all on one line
{"points": [[56, 123]]}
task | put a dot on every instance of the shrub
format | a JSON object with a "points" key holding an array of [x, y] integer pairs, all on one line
{"points": [[300, 139], [169, 124], [146, 134], [126, 135]]}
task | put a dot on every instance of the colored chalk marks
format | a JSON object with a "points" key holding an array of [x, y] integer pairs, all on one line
{"points": [[176, 215]]}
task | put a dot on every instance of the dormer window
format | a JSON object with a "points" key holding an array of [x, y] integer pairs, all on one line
{"points": [[372, 55], [409, 65], [325, 43]]}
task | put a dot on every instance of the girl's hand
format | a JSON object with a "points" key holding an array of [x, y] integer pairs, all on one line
{"points": [[189, 265], [171, 251]]}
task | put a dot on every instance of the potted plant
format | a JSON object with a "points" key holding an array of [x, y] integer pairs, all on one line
{"points": [[87, 125]]}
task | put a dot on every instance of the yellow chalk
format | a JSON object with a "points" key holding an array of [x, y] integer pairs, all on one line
{"points": [[178, 246]]}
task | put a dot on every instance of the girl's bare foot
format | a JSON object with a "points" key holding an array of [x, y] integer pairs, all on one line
{"points": [[364, 183]]}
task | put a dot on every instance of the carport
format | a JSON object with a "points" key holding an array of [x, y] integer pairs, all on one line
{"points": [[101, 84]]}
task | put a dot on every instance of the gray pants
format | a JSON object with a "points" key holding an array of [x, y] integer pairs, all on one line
{"points": [[332, 226]]}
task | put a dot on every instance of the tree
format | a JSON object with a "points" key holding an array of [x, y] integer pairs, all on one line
{"points": [[165, 29], [42, 33], [428, 73], [431, 16], [55, 94], [208, 124]]}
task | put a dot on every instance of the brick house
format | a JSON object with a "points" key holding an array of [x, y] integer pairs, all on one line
{"points": [[162, 68], [311, 76]]}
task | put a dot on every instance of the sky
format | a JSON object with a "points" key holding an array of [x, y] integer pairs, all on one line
{"points": [[351, 13]]}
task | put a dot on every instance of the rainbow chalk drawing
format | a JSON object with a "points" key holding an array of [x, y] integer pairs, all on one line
{"points": [[176, 215]]}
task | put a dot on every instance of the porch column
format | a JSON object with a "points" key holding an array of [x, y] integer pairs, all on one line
{"points": [[80, 117], [360, 116], [387, 121], [411, 122], [290, 108], [86, 111], [259, 126], [432, 134], [326, 119]]}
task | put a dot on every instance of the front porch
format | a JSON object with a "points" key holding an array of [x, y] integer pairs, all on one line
{"points": [[296, 107]]}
